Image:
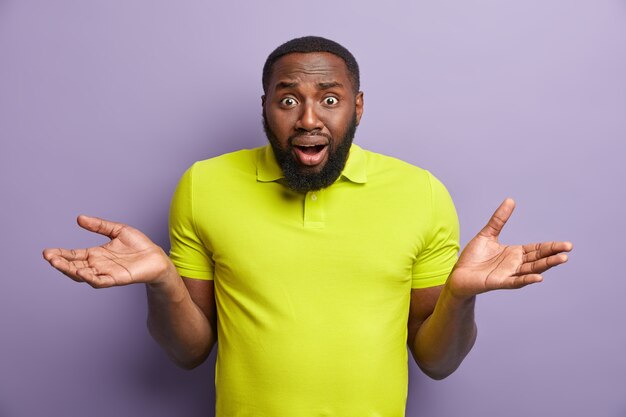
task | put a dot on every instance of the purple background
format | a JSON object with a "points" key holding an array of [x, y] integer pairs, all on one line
{"points": [[103, 105]]}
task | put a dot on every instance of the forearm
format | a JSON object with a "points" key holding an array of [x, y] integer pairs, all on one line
{"points": [[446, 336], [177, 323]]}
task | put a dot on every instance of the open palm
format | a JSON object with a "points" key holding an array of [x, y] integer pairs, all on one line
{"points": [[486, 265], [129, 257]]}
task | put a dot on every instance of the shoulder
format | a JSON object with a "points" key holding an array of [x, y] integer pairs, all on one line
{"points": [[410, 183], [241, 160], [220, 173], [387, 168]]}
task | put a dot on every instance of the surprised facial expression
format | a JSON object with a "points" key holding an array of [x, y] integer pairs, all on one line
{"points": [[310, 114]]}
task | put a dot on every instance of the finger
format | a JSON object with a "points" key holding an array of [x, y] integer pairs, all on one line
{"points": [[498, 219], [66, 268], [524, 280], [534, 251], [68, 254], [100, 226], [541, 265]]}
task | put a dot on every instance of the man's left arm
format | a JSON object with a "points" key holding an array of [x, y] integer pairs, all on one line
{"points": [[441, 328]]}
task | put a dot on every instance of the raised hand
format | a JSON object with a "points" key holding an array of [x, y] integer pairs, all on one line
{"points": [[130, 257], [486, 265]]}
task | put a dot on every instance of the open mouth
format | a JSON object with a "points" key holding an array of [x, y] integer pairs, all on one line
{"points": [[310, 149], [310, 155]]}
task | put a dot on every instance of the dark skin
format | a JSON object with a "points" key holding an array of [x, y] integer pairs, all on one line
{"points": [[310, 97], [310, 94]]}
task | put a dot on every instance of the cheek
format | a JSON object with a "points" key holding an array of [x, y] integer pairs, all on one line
{"points": [[279, 122], [338, 125]]}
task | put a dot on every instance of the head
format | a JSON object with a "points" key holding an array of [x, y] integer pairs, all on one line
{"points": [[311, 108]]}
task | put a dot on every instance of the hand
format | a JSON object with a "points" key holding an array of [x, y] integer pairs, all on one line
{"points": [[130, 257], [486, 265]]}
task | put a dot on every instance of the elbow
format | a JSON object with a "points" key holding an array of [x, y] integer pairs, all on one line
{"points": [[438, 374], [438, 370], [187, 364], [439, 367], [187, 359], [185, 356]]}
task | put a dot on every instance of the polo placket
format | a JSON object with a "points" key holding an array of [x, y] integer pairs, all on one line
{"points": [[314, 214]]}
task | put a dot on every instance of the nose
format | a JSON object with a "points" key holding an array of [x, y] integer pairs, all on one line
{"points": [[309, 119]]}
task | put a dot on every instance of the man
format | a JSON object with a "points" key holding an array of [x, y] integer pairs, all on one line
{"points": [[311, 260]]}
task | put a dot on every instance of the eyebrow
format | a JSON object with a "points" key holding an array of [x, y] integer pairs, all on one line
{"points": [[285, 84], [323, 85], [332, 84]]}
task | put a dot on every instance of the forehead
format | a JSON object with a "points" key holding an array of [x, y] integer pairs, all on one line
{"points": [[314, 66]]}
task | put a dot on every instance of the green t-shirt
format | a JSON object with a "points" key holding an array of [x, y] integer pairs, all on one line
{"points": [[312, 290]]}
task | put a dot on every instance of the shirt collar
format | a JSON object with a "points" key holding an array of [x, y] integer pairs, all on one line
{"points": [[268, 169]]}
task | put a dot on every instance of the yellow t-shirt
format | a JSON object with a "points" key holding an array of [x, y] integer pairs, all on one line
{"points": [[312, 290]]}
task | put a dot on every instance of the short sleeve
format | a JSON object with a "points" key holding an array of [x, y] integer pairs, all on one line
{"points": [[190, 256], [438, 256]]}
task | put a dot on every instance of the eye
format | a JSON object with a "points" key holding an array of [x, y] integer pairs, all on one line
{"points": [[330, 101], [288, 102]]}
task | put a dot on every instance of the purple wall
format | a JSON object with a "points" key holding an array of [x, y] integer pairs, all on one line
{"points": [[103, 104]]}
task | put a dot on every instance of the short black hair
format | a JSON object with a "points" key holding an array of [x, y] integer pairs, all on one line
{"points": [[309, 44]]}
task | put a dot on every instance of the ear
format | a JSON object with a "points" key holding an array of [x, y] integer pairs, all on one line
{"points": [[359, 106], [263, 100]]}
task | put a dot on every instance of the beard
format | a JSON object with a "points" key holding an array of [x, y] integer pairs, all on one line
{"points": [[299, 179]]}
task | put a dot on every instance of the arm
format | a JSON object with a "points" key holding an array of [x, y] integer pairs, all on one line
{"points": [[441, 320], [441, 330], [182, 319], [181, 313]]}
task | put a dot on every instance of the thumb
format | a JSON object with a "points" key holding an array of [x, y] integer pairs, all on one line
{"points": [[499, 218], [100, 226]]}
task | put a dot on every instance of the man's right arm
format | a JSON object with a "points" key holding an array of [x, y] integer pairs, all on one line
{"points": [[181, 311]]}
